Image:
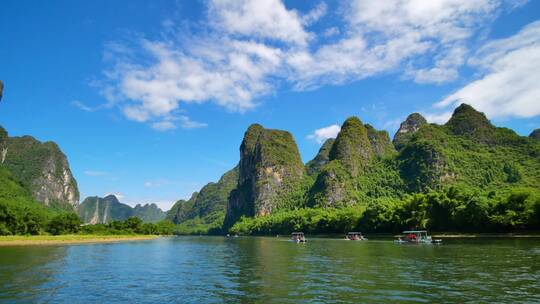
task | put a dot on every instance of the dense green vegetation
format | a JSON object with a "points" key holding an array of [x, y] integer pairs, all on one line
{"points": [[64, 223], [19, 213], [466, 175], [209, 224], [132, 225], [448, 210]]}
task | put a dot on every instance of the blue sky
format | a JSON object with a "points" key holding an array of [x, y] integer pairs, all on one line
{"points": [[150, 99]]}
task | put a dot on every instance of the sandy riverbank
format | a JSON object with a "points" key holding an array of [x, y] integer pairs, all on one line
{"points": [[18, 240]]}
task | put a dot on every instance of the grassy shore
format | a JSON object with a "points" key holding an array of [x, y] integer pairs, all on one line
{"points": [[22, 240]]}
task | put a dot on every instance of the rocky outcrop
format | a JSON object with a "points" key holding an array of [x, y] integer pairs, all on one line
{"points": [[41, 168], [1, 89], [407, 129], [322, 158], [269, 165], [211, 199], [379, 141], [535, 134]]}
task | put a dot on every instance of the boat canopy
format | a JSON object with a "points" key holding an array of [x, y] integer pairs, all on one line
{"points": [[297, 233], [354, 233], [414, 231]]}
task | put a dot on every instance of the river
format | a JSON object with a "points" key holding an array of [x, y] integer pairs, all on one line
{"points": [[273, 270]]}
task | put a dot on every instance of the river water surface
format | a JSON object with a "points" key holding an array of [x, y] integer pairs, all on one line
{"points": [[273, 270]]}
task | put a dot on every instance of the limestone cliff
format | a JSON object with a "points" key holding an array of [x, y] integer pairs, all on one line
{"points": [[270, 165], [407, 129], [41, 168]]}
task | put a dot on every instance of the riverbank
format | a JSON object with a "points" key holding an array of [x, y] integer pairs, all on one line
{"points": [[33, 240]]}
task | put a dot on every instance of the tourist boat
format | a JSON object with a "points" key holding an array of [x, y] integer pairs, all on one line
{"points": [[355, 236], [298, 237], [416, 237]]}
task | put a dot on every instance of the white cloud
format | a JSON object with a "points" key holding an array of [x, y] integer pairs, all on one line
{"points": [[171, 122], [383, 35], [249, 49], [508, 86], [322, 134], [315, 14], [331, 31], [259, 19], [79, 104], [231, 73], [187, 123], [445, 67]]}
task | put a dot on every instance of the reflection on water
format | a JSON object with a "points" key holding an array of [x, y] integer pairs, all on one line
{"points": [[23, 271], [220, 270]]}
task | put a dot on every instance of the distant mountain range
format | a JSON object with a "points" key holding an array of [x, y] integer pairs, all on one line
{"points": [[359, 166], [97, 210]]}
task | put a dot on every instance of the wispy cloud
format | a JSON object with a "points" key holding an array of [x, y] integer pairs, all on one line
{"points": [[508, 85], [322, 134], [157, 183], [94, 173], [79, 104]]}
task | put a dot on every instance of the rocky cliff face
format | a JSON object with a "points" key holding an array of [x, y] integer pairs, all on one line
{"points": [[41, 168], [269, 164], [379, 141], [407, 129], [212, 199]]}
